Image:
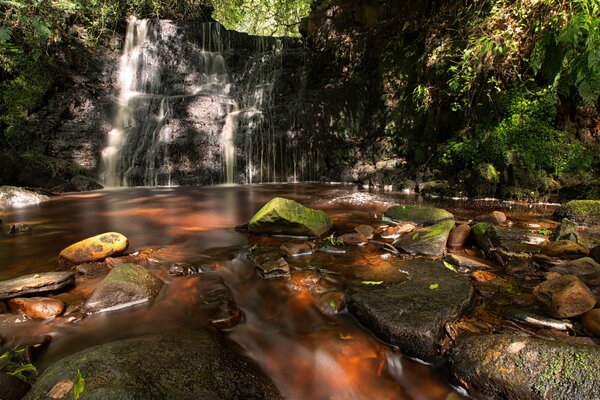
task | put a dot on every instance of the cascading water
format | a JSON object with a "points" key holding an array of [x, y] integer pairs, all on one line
{"points": [[200, 105]]}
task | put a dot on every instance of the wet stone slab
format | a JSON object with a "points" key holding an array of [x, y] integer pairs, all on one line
{"points": [[35, 283]]}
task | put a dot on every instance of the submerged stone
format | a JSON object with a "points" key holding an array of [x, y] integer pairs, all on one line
{"points": [[285, 216], [418, 214], [519, 367], [412, 314], [216, 303], [269, 263], [428, 241], [125, 285], [96, 248], [175, 365], [35, 283]]}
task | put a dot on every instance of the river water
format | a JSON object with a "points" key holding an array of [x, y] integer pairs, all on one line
{"points": [[307, 354]]}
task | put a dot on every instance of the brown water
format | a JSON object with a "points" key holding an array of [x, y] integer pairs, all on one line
{"points": [[307, 354]]}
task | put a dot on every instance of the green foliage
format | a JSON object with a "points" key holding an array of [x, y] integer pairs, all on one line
{"points": [[13, 363], [334, 240], [79, 386]]}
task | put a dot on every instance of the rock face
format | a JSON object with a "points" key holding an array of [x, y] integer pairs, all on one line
{"points": [[38, 307], [11, 196], [412, 314], [417, 214], [518, 367], [581, 211], [96, 248], [182, 365], [564, 297], [125, 285], [285, 216], [35, 283], [428, 241]]}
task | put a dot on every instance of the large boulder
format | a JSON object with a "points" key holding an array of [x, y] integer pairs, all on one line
{"points": [[96, 248], [125, 285], [11, 196], [418, 214], [519, 367], [181, 365], [581, 211], [412, 314], [565, 296], [35, 283], [285, 216], [427, 241]]}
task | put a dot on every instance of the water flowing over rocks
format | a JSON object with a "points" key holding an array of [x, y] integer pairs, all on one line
{"points": [[174, 365], [520, 367], [412, 314], [125, 285], [35, 283], [11, 196], [285, 216], [96, 248]]}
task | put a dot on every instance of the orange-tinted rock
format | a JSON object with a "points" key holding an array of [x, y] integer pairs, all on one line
{"points": [[38, 307], [96, 248], [564, 297], [495, 218], [365, 230], [458, 236], [483, 276], [393, 232], [591, 321], [565, 249]]}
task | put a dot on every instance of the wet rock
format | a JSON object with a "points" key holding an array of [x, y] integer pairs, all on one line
{"points": [[303, 279], [428, 241], [38, 307], [91, 269], [393, 232], [567, 231], [332, 250], [412, 314], [466, 262], [591, 321], [12, 388], [216, 302], [331, 303], [365, 230], [297, 249], [417, 214], [533, 316], [11, 196], [175, 365], [285, 216], [494, 218], [96, 248], [354, 239], [585, 268], [483, 276], [180, 269], [35, 283], [564, 297], [269, 263], [580, 211], [125, 285], [485, 237], [19, 229], [565, 249], [518, 367], [458, 236]]}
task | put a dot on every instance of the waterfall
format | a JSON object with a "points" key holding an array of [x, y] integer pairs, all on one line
{"points": [[199, 104]]}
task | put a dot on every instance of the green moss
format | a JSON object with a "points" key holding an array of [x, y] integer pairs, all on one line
{"points": [[417, 214], [564, 369], [443, 227], [581, 211], [287, 216]]}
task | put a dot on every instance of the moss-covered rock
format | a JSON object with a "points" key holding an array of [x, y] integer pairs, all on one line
{"points": [[96, 248], [485, 237], [427, 241], [125, 285], [418, 214], [518, 367], [285, 216], [581, 211]]}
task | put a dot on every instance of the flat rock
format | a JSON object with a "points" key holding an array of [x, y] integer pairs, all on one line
{"points": [[38, 307], [176, 365], [35, 283], [96, 248], [427, 241], [564, 297], [494, 218], [412, 314], [458, 236], [125, 285], [565, 249], [467, 262], [269, 263], [417, 214], [519, 367], [11, 196], [285, 216]]}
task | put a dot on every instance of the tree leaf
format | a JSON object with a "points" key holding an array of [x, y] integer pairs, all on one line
{"points": [[434, 286]]}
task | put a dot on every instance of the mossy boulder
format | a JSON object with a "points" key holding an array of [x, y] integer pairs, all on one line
{"points": [[519, 367], [285, 216], [125, 285], [418, 214], [96, 248], [173, 365], [427, 241], [581, 211]]}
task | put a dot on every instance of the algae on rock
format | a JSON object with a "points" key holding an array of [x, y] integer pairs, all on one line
{"points": [[285, 216]]}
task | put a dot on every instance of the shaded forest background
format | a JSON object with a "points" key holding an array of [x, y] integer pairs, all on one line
{"points": [[485, 98]]}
